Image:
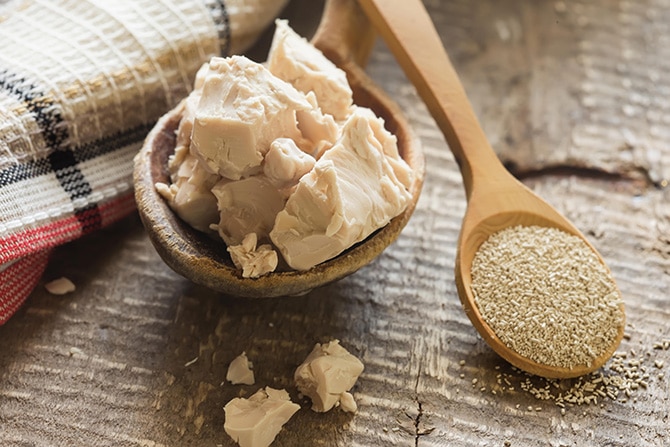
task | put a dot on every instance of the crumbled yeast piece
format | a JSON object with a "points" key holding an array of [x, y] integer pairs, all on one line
{"points": [[347, 403], [254, 261], [256, 421], [60, 286], [240, 372], [326, 376], [328, 212], [296, 61]]}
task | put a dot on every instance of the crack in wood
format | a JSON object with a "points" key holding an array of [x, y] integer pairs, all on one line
{"points": [[417, 422], [420, 428]]}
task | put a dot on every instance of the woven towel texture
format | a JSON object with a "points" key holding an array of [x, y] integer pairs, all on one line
{"points": [[81, 84]]}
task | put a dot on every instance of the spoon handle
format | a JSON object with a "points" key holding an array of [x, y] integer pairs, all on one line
{"points": [[344, 32], [410, 34]]}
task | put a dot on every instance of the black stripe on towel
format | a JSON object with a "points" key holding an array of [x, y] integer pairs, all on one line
{"points": [[35, 168], [46, 115], [217, 9], [62, 161]]}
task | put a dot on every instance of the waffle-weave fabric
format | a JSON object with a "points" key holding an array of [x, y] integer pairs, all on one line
{"points": [[81, 84]]}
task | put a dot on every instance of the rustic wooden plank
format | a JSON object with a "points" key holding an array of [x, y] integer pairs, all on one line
{"points": [[569, 83], [113, 363]]}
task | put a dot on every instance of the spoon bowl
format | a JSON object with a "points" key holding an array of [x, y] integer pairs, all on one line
{"points": [[346, 38], [496, 199]]}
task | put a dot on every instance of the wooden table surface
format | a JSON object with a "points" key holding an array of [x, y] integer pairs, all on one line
{"points": [[575, 96]]}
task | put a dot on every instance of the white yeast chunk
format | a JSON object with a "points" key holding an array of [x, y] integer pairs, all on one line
{"points": [[347, 402], [355, 188], [242, 109], [256, 421], [253, 261], [246, 206], [60, 286], [190, 194], [326, 376], [285, 163], [293, 59], [239, 371]]}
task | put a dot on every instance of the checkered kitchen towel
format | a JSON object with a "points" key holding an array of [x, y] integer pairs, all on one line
{"points": [[81, 84]]}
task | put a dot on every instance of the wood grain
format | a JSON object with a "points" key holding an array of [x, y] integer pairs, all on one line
{"points": [[106, 365]]}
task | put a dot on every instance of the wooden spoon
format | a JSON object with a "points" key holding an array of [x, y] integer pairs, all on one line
{"points": [[496, 200], [346, 37]]}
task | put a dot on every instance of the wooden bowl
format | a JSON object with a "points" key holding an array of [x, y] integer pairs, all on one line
{"points": [[346, 38]]}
